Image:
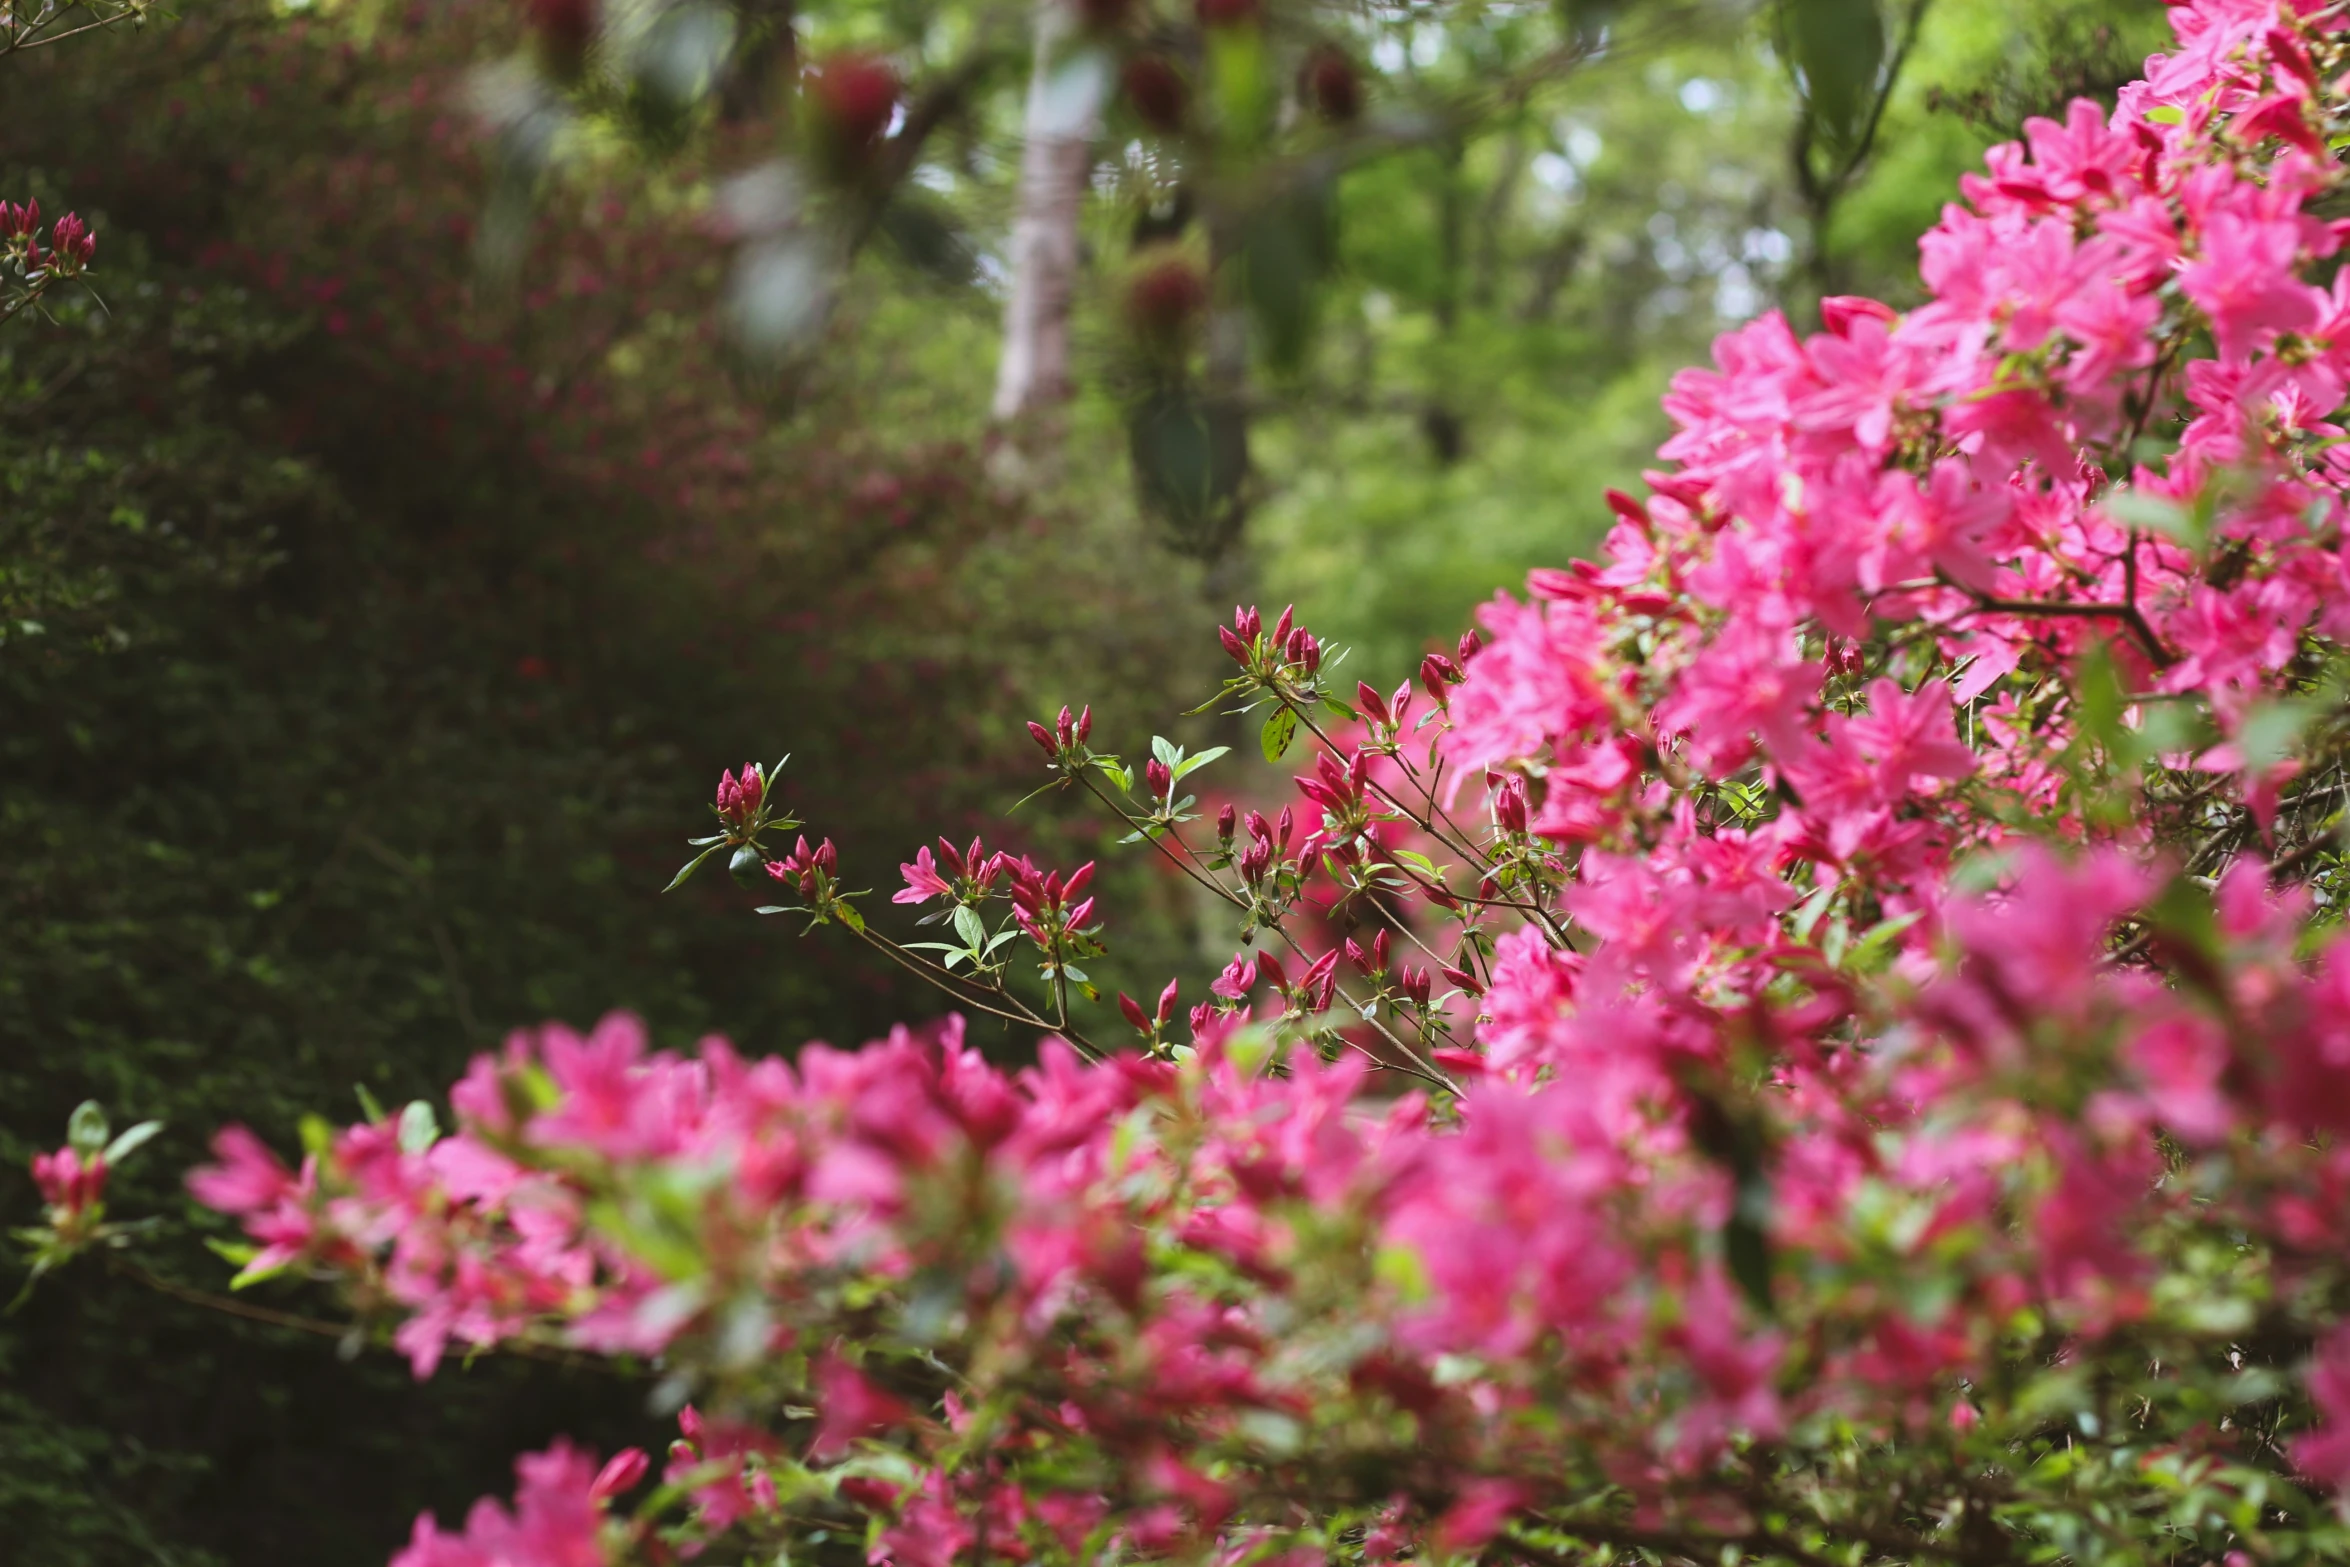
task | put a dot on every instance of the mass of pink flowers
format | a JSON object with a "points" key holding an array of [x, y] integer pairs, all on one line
{"points": [[1819, 1037]]}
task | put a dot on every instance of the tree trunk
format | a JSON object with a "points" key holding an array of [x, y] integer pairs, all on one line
{"points": [[1034, 371]]}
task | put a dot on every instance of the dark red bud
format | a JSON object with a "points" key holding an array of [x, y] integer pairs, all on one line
{"points": [[1270, 971], [1225, 817], [1064, 729], [1470, 647], [1332, 85], [1247, 622], [1085, 724], [1463, 979], [1134, 1014], [1379, 953], [1044, 738], [1232, 644], [1157, 778], [1081, 879], [854, 98], [1167, 1001], [1372, 703], [1281, 626], [1156, 89]]}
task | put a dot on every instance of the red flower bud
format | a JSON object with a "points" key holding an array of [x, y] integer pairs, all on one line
{"points": [[1225, 816], [1134, 1014], [1232, 645], [1227, 13], [854, 97], [1157, 778], [1463, 979], [1281, 626], [1079, 880], [1157, 90], [1470, 647], [620, 1476], [1331, 85], [1064, 728], [563, 26], [1165, 302], [1372, 703], [1044, 738], [1379, 953], [1085, 724], [1167, 1001], [1247, 623], [1270, 971]]}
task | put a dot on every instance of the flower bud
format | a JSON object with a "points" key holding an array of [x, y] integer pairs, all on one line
{"points": [[1281, 626], [1167, 1001], [1226, 818], [1064, 728], [1085, 724], [1134, 1014], [1332, 86], [1270, 971], [1372, 703], [620, 1476], [852, 99], [1470, 647], [1232, 645], [1509, 804], [1379, 953], [1247, 623], [1044, 738], [72, 245], [1159, 779], [1156, 89], [1463, 979]]}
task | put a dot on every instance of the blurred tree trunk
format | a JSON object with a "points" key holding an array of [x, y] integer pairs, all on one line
{"points": [[1057, 156]]}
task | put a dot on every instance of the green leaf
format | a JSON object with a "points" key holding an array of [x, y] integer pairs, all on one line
{"points": [[1746, 1241], [690, 867], [419, 1130], [1192, 764], [847, 914], [1839, 47], [1875, 949], [1279, 730], [1167, 751], [2270, 731], [85, 1129], [367, 1105], [132, 1141], [2154, 514], [747, 866], [969, 927]]}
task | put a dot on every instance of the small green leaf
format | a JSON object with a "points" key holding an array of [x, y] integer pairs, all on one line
{"points": [[1279, 730], [969, 927], [1166, 750], [690, 867], [747, 866], [85, 1129], [132, 1141], [1192, 764], [2154, 514], [367, 1105], [847, 914], [419, 1129]]}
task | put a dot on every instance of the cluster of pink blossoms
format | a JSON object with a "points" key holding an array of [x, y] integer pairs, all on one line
{"points": [[1889, 1102]]}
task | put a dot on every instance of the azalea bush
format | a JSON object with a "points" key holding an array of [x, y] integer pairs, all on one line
{"points": [[1817, 1037]]}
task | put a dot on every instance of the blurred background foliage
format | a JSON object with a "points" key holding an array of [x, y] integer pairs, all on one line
{"points": [[491, 421]]}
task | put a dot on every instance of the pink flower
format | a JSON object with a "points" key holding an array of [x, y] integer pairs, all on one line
{"points": [[67, 1184], [923, 882], [849, 1407]]}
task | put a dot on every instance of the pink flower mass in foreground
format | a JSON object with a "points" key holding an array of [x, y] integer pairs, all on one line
{"points": [[1819, 1038]]}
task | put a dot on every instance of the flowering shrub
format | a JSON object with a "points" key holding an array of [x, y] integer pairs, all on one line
{"points": [[1816, 1039], [28, 268]]}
